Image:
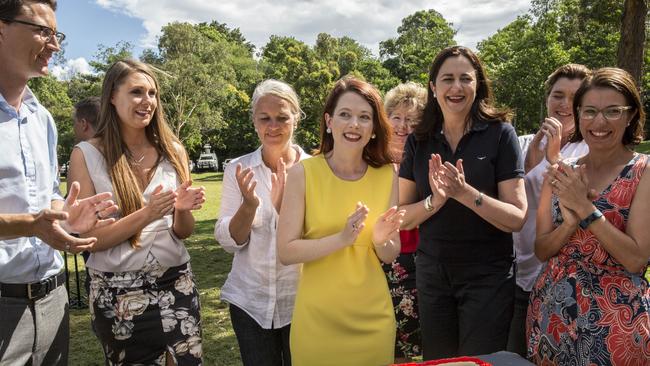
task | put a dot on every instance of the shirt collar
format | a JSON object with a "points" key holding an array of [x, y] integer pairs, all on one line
{"points": [[256, 159], [476, 127], [29, 101]]}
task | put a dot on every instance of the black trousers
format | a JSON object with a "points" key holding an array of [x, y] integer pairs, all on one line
{"points": [[465, 309], [259, 346], [517, 338]]}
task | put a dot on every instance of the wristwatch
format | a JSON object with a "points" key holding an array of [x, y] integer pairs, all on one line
{"points": [[479, 199], [591, 218], [428, 206]]}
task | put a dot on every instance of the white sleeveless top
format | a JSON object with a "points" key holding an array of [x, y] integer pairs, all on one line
{"points": [[157, 237]]}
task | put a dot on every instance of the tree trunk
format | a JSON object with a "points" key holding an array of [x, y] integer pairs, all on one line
{"points": [[632, 42]]}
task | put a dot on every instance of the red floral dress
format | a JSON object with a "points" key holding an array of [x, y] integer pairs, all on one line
{"points": [[585, 308]]}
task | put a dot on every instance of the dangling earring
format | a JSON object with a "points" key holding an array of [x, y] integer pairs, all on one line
{"points": [[329, 130], [373, 136], [434, 95]]}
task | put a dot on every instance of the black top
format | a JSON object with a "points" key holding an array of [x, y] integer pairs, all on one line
{"points": [[455, 234]]}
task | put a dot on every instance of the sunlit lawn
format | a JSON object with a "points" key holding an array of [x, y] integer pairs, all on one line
{"points": [[211, 266]]}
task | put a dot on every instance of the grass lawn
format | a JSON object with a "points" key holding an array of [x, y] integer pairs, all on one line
{"points": [[211, 265], [644, 147]]}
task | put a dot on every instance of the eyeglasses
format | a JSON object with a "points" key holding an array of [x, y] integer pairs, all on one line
{"points": [[47, 33], [609, 113]]}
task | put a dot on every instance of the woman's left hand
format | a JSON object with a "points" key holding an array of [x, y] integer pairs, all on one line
{"points": [[387, 225], [570, 185], [453, 179], [189, 198]]}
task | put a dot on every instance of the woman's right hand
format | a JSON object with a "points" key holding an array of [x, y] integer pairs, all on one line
{"points": [[247, 183], [160, 203], [439, 196], [355, 223], [552, 129]]}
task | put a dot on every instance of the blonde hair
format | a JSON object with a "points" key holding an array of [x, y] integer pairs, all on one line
{"points": [[410, 95], [126, 187]]}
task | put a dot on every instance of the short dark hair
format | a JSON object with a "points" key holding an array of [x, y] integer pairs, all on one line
{"points": [[621, 81], [88, 109], [482, 109], [377, 152], [568, 71], [10, 9]]}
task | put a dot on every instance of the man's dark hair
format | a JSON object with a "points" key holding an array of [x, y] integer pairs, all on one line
{"points": [[88, 109], [10, 9]]}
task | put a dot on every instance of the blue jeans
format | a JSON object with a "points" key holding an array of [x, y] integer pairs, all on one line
{"points": [[259, 346]]}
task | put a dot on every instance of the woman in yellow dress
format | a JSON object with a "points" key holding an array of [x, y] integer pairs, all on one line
{"points": [[339, 218]]}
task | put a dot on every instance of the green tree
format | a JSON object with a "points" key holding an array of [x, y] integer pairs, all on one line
{"points": [[292, 61], [420, 37], [52, 94], [206, 71], [518, 58]]}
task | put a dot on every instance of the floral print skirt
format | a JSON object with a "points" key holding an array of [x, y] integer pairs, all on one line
{"points": [[401, 283], [139, 316]]}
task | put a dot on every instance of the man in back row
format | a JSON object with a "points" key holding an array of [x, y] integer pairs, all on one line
{"points": [[35, 221]]}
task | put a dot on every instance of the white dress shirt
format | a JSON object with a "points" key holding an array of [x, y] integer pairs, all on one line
{"points": [[257, 283], [528, 266]]}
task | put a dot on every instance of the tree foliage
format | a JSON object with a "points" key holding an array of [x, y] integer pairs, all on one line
{"points": [[420, 37]]}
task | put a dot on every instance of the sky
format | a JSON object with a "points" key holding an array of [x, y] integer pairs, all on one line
{"points": [[89, 23]]}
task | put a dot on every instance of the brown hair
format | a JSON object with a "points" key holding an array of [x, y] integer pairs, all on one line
{"points": [[376, 153], [568, 71], [410, 95], [10, 9], [88, 109], [482, 108], [116, 153], [621, 81]]}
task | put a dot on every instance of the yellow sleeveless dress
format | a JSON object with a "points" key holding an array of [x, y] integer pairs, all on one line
{"points": [[343, 313]]}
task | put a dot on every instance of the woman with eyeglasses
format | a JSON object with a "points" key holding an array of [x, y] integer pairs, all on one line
{"points": [[590, 303], [259, 289]]}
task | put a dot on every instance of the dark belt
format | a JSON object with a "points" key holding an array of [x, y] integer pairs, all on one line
{"points": [[32, 291]]}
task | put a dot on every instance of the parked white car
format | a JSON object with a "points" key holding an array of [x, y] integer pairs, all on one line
{"points": [[207, 161]]}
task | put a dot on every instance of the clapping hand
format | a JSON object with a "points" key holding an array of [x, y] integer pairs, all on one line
{"points": [[189, 198], [354, 224], [47, 228], [453, 179], [552, 129], [387, 225], [160, 202], [439, 196], [571, 185], [88, 213], [247, 183], [278, 181]]}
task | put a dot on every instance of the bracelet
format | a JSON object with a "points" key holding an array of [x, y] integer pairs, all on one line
{"points": [[428, 206], [479, 199], [584, 223], [385, 244]]}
